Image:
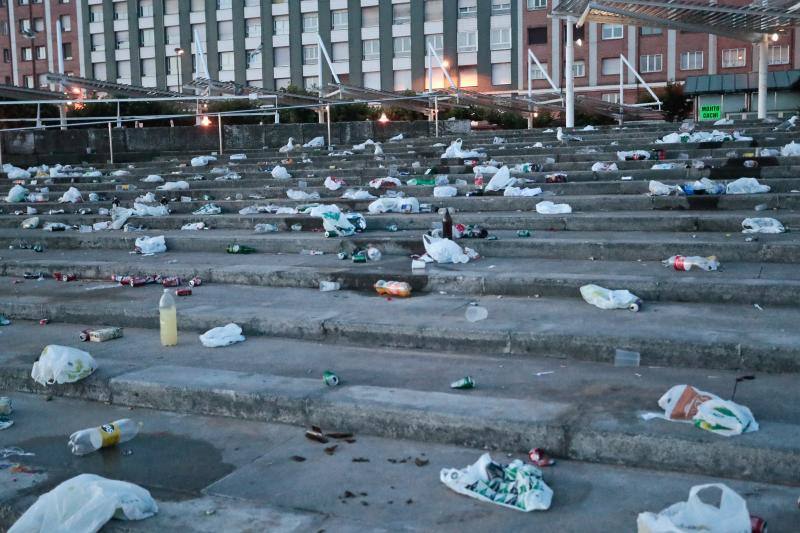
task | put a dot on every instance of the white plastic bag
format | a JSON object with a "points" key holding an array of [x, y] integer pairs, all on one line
{"points": [[444, 250], [334, 184], [498, 140], [610, 299], [486, 170], [746, 186], [396, 138], [222, 336], [316, 142], [237, 157], [352, 194], [762, 225], [445, 191], [18, 193], [379, 183], [549, 208], [501, 180], [657, 188], [789, 150], [280, 173], [153, 178], [603, 166], [144, 210], [394, 205], [84, 504], [62, 364], [302, 195], [623, 155], [194, 226], [15, 173], [72, 196], [518, 191], [174, 186], [150, 245], [516, 485], [333, 220], [202, 160], [363, 146], [454, 151], [694, 514]]}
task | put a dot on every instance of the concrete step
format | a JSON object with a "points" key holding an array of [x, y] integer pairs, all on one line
{"points": [[582, 411], [731, 336]]}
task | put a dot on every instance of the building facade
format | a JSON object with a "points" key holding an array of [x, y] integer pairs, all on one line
{"points": [[29, 42]]}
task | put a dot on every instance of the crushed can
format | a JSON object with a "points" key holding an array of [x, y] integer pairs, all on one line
{"points": [[195, 282], [342, 255], [44, 321], [101, 335], [392, 228], [297, 227], [523, 233], [330, 379], [360, 257], [479, 180], [64, 277], [758, 524], [463, 383], [174, 281], [183, 292], [539, 458]]}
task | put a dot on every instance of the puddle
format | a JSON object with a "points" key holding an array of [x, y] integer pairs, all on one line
{"points": [[179, 466]]}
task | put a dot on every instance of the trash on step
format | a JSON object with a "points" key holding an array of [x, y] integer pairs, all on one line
{"points": [[58, 276], [62, 364], [463, 383], [202, 160], [236, 248], [549, 208], [174, 186], [445, 191], [746, 186], [791, 150], [373, 253], [101, 335], [330, 379], [501, 179], [603, 166], [385, 183], [316, 142], [516, 485], [556, 177], [633, 155], [762, 225], [56, 226], [86, 441], [703, 186], [657, 188], [696, 515], [454, 151], [265, 228], [4, 321], [280, 173], [30, 223], [352, 194], [237, 157], [222, 336], [194, 226], [444, 250], [333, 183], [396, 138], [150, 245], [540, 459], [522, 191], [626, 358], [475, 313], [680, 262], [302, 196], [610, 299], [183, 292], [329, 286], [71, 196], [400, 289], [85, 503], [705, 410], [394, 205]]}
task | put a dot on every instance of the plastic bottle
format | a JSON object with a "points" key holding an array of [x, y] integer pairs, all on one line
{"points": [[92, 439], [680, 262], [169, 319], [447, 225]]}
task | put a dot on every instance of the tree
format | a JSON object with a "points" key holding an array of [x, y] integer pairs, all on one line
{"points": [[674, 103]]}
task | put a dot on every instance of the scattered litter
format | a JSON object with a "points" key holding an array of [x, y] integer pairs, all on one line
{"points": [[316, 142], [758, 307], [791, 150], [605, 166], [516, 485], [62, 364], [476, 313], [546, 373], [150, 245], [680, 262], [400, 289], [444, 250], [610, 299], [445, 191], [297, 458], [280, 173], [352, 194], [86, 441], [265, 228], [696, 515], [463, 383], [394, 205], [329, 286], [208, 209], [101, 334], [549, 208], [396, 138], [10, 451], [501, 179], [174, 186], [762, 225], [202, 160], [194, 226], [330, 378], [334, 184], [539, 458], [302, 195], [222, 336], [454, 151], [657, 188]]}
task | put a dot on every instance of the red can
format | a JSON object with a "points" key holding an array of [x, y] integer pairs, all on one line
{"points": [[85, 335], [183, 292], [479, 180], [172, 282], [758, 524], [64, 277], [44, 321], [195, 282], [135, 282]]}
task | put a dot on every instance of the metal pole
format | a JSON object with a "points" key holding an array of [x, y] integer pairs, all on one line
{"points": [[621, 90], [219, 124], [319, 86], [110, 144], [763, 50], [530, 89], [62, 111], [330, 144], [38, 115], [119, 117], [436, 113], [1, 148], [569, 56]]}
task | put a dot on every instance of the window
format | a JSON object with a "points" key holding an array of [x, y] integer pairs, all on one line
{"points": [[29, 82], [38, 24], [340, 52], [120, 11], [612, 31], [537, 4], [339, 19], [282, 83], [401, 14], [66, 50], [252, 27], [24, 25], [223, 4], [281, 56], [124, 69], [311, 83], [41, 52], [779, 55], [27, 53], [172, 35], [467, 41], [468, 77], [198, 5], [121, 40], [578, 69], [501, 73], [648, 30], [500, 38], [372, 80], [402, 47], [369, 17], [436, 40], [170, 7], [310, 22], [310, 54], [372, 49], [734, 57], [147, 37], [467, 9], [225, 30], [3, 27], [433, 10], [280, 25], [692, 60], [199, 30], [148, 66], [537, 73], [225, 60], [98, 42], [96, 13], [501, 7], [537, 35], [145, 8], [99, 71], [252, 58], [610, 66], [650, 63], [42, 80], [6, 55], [171, 65], [611, 97], [402, 80]]}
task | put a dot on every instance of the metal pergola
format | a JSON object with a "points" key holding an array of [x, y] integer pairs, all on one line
{"points": [[110, 88], [754, 22]]}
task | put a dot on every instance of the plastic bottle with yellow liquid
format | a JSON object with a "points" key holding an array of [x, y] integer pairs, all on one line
{"points": [[169, 319]]}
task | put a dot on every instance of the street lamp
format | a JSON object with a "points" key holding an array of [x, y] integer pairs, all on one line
{"points": [[179, 51]]}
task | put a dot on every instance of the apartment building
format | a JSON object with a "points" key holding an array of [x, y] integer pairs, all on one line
{"points": [[29, 42], [660, 55], [272, 44]]}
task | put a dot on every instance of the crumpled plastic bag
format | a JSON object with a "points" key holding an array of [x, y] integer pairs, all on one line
{"points": [[501, 180], [237, 157], [623, 155], [17, 194], [353, 194], [193, 226], [498, 140], [363, 146], [153, 178], [444, 250], [610, 299], [222, 336], [516, 485], [333, 220], [62, 364], [316, 142], [762, 225], [334, 184], [144, 210], [72, 196], [454, 151], [694, 514], [746, 186], [294, 194], [280, 173], [119, 216], [790, 150], [380, 183], [174, 186], [396, 138], [445, 191], [148, 198], [394, 205], [202, 160], [657, 188], [519, 191], [724, 122], [15, 173], [486, 170], [604, 166], [549, 208], [150, 245], [84, 504]]}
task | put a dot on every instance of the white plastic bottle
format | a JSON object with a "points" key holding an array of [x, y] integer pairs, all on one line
{"points": [[168, 317], [92, 439]]}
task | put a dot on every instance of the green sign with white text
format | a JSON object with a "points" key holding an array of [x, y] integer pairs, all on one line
{"points": [[710, 112]]}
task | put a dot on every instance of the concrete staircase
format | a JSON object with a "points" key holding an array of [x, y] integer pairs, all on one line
{"points": [[543, 358]]}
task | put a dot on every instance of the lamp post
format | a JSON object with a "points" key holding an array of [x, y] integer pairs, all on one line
{"points": [[179, 51]]}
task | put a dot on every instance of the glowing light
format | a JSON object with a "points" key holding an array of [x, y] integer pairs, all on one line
{"points": [[76, 90], [775, 37], [446, 63], [535, 114], [579, 42], [205, 121], [383, 119]]}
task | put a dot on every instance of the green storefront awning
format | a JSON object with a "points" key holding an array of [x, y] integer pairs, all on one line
{"points": [[736, 83]]}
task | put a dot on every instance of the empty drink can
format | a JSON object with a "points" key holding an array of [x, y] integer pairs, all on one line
{"points": [[463, 383], [330, 379]]}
